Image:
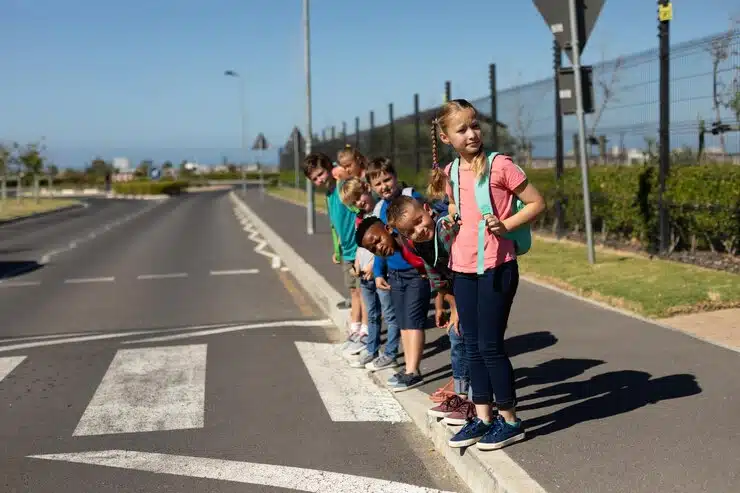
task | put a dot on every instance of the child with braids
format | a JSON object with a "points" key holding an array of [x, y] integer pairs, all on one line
{"points": [[485, 279]]}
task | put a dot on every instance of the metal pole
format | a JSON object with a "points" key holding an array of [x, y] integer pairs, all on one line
{"points": [[559, 144], [310, 208], [297, 158], [575, 47], [494, 108], [664, 131], [243, 105]]}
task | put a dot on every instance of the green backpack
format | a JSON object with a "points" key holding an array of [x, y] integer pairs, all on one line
{"points": [[522, 236]]}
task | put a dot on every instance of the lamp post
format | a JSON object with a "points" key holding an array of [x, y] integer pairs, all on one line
{"points": [[243, 111]]}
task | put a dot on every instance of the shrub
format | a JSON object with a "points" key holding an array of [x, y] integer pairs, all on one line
{"points": [[147, 187]]}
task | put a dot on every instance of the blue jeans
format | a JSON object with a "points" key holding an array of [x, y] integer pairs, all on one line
{"points": [[378, 302], [411, 295], [483, 304], [460, 374]]}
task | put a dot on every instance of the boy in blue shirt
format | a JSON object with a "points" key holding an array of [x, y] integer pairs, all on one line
{"points": [[318, 168], [410, 292]]}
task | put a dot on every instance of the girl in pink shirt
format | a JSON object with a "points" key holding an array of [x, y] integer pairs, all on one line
{"points": [[484, 301]]}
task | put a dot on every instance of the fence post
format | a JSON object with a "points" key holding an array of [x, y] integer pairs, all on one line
{"points": [[392, 131], [494, 108], [448, 90], [333, 133], [357, 132], [344, 132], [371, 143], [559, 144], [417, 133], [664, 16]]}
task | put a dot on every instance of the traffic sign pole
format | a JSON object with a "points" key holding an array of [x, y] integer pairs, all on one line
{"points": [[576, 56], [310, 209]]}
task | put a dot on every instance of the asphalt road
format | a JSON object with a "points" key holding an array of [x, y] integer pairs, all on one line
{"points": [[611, 403], [166, 354]]}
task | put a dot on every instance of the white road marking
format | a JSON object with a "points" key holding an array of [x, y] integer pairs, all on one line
{"points": [[292, 478], [16, 284], [225, 330], [149, 389], [41, 337], [348, 395], [8, 364], [98, 337], [89, 279], [234, 272], [163, 276], [284, 269], [254, 236]]}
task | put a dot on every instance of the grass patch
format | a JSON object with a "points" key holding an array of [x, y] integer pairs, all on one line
{"points": [[298, 197], [12, 209], [651, 287]]}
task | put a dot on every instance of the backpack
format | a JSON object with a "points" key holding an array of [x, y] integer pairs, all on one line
{"points": [[522, 236], [379, 205]]}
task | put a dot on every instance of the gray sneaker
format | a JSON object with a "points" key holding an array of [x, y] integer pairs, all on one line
{"points": [[356, 346], [352, 337], [362, 360], [381, 362], [393, 380]]}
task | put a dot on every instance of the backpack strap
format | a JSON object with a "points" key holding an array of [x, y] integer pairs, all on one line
{"points": [[483, 200], [408, 191], [455, 182], [378, 207]]}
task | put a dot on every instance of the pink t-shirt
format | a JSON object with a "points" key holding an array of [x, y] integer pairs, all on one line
{"points": [[505, 178]]}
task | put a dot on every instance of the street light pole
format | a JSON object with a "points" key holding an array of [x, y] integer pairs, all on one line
{"points": [[243, 112], [310, 208]]}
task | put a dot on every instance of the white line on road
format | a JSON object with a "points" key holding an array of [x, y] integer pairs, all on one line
{"points": [[347, 395], [292, 478], [149, 389], [234, 272], [163, 276], [8, 364], [89, 279], [225, 330], [15, 284]]}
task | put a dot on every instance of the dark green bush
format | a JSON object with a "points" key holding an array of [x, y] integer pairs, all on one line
{"points": [[147, 187]]}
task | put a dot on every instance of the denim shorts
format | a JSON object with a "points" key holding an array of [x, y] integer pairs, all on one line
{"points": [[411, 295]]}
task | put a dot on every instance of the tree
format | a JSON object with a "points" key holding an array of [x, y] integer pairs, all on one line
{"points": [[723, 95], [33, 161], [608, 88], [4, 160], [142, 170]]}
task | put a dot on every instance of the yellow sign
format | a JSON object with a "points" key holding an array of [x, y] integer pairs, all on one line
{"points": [[665, 12]]}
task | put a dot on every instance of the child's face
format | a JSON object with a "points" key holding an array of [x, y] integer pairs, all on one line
{"points": [[365, 202], [339, 173], [385, 185], [462, 132], [319, 177], [378, 240], [351, 166], [417, 224]]}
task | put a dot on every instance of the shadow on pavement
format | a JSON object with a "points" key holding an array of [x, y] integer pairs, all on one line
{"points": [[13, 268], [606, 395]]}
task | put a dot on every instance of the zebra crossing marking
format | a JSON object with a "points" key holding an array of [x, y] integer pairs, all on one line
{"points": [[8, 364], [149, 389]]}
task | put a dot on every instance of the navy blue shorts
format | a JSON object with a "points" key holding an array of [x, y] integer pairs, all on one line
{"points": [[410, 295]]}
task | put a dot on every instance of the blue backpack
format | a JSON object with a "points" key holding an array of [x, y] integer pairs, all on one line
{"points": [[522, 236]]}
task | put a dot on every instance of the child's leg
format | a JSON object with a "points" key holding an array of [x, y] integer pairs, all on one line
{"points": [[417, 298], [391, 321], [496, 291], [351, 282], [371, 301], [458, 363], [356, 312], [365, 317]]}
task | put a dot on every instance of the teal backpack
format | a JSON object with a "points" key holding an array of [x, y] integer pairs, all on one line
{"points": [[522, 236]]}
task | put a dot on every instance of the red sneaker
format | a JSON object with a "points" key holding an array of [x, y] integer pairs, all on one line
{"points": [[461, 415], [443, 393], [447, 407]]}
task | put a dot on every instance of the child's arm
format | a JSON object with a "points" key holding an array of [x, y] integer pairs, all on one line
{"points": [[513, 178], [336, 255]]}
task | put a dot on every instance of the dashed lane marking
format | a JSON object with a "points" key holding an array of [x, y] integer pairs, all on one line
{"points": [[84, 280], [173, 275], [234, 272]]}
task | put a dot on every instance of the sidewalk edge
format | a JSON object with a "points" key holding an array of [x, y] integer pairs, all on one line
{"points": [[489, 472]]}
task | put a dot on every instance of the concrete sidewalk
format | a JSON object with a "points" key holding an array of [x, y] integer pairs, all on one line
{"points": [[611, 403]]}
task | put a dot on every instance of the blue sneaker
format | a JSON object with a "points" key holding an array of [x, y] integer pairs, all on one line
{"points": [[469, 434], [501, 434], [393, 379]]}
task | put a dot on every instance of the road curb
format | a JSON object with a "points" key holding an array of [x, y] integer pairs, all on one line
{"points": [[42, 214], [482, 472]]}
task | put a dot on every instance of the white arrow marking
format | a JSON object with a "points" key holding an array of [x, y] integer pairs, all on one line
{"points": [[224, 330], [8, 364], [149, 389], [348, 395], [294, 478]]}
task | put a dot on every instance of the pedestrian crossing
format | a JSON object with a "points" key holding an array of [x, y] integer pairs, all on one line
{"points": [[157, 388]]}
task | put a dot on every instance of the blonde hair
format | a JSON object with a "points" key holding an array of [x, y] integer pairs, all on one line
{"points": [[352, 189], [438, 178], [354, 154]]}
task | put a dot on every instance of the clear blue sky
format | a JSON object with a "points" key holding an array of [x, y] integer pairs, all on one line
{"points": [[144, 79]]}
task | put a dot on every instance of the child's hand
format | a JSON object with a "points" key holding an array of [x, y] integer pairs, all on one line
{"points": [[339, 173], [439, 317], [381, 283], [454, 322], [367, 272], [495, 226], [334, 258], [449, 222]]}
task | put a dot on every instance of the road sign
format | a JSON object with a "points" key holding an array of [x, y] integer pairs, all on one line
{"points": [[155, 174], [556, 15], [567, 81], [260, 143]]}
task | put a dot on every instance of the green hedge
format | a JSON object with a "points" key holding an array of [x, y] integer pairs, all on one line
{"points": [[146, 187], [704, 202]]}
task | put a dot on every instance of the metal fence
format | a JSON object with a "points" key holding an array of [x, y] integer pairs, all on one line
{"points": [[705, 88]]}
